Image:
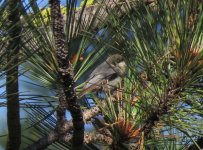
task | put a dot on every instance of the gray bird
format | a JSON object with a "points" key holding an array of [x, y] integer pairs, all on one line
{"points": [[108, 74]]}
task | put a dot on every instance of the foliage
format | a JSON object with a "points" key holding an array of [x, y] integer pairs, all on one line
{"points": [[166, 67], [88, 3], [158, 104]]}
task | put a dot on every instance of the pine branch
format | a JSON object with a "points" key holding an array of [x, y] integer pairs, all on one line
{"points": [[199, 143], [54, 136], [87, 115], [165, 103], [62, 130], [96, 15], [91, 137], [67, 96], [44, 142], [65, 75]]}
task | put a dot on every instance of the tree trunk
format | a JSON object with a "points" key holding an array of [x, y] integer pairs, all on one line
{"points": [[65, 76], [13, 113]]}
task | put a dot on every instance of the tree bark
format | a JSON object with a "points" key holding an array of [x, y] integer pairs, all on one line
{"points": [[65, 75], [13, 113]]}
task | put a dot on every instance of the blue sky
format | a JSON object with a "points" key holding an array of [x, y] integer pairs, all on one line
{"points": [[2, 113], [43, 3]]}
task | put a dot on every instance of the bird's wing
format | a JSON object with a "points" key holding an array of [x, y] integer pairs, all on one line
{"points": [[103, 72], [93, 80]]}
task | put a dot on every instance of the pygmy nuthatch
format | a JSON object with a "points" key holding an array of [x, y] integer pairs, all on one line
{"points": [[107, 74]]}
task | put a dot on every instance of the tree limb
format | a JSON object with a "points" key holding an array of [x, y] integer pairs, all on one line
{"points": [[65, 76]]}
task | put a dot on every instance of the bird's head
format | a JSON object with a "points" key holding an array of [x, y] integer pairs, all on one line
{"points": [[115, 59], [117, 63]]}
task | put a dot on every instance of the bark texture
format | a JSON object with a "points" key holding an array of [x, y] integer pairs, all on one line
{"points": [[65, 75], [13, 114]]}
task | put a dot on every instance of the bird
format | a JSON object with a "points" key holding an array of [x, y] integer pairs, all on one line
{"points": [[106, 75]]}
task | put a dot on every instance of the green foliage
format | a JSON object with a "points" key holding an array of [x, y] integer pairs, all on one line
{"points": [[162, 90], [165, 61], [88, 3]]}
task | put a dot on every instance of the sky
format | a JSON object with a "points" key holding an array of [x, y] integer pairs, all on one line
{"points": [[43, 3], [2, 113]]}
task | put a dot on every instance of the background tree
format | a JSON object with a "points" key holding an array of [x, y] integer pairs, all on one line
{"points": [[13, 49]]}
